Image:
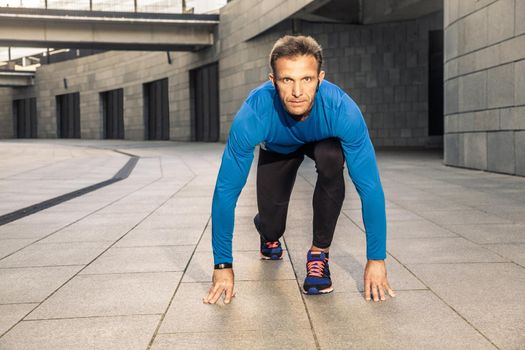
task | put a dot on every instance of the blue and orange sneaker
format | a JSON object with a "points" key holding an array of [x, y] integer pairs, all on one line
{"points": [[317, 279], [269, 250]]}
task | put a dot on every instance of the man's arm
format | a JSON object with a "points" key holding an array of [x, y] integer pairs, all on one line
{"points": [[235, 166], [362, 168]]}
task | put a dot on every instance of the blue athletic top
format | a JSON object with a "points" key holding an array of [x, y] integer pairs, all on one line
{"points": [[263, 120]]}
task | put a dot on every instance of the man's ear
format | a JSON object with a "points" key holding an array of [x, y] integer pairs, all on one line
{"points": [[321, 76], [272, 78]]}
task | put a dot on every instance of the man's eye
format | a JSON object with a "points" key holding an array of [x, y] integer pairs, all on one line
{"points": [[286, 80], [307, 79]]}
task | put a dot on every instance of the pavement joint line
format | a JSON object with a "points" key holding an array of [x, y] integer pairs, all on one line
{"points": [[122, 174], [78, 272], [86, 317], [436, 294], [74, 275], [445, 302], [37, 266], [80, 219], [153, 246], [128, 273], [37, 168], [242, 280], [156, 332], [220, 332]]}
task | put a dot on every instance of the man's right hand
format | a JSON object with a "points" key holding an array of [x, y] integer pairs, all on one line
{"points": [[223, 280]]}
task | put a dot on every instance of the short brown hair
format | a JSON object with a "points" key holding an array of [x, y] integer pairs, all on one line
{"points": [[290, 46]]}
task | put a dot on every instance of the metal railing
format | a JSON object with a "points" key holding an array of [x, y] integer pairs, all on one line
{"points": [[152, 6]]}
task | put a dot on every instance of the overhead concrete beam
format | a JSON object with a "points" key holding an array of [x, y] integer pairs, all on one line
{"points": [[102, 30], [16, 79], [378, 11]]}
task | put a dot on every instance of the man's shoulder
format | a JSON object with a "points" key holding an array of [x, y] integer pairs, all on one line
{"points": [[261, 96], [331, 94]]}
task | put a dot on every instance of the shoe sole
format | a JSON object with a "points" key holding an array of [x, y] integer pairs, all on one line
{"points": [[273, 257], [315, 291]]}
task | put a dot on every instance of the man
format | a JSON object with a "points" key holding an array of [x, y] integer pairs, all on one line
{"points": [[296, 113]]}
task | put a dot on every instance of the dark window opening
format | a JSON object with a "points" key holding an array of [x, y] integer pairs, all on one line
{"points": [[156, 110], [24, 112], [435, 83], [68, 115], [204, 99], [113, 113]]}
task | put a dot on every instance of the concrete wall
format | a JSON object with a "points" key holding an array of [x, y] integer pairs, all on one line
{"points": [[384, 67], [111, 70], [6, 113], [485, 84]]}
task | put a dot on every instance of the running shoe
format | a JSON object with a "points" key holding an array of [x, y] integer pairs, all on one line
{"points": [[269, 250], [317, 279]]}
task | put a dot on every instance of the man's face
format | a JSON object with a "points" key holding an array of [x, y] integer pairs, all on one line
{"points": [[296, 81]]}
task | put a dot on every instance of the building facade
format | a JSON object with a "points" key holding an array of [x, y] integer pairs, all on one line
{"points": [[416, 87]]}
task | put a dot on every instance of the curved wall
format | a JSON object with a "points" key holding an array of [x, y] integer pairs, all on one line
{"points": [[485, 85]]}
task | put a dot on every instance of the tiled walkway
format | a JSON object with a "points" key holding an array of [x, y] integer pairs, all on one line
{"points": [[126, 266]]}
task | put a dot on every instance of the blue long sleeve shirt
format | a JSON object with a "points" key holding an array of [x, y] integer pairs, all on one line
{"points": [[262, 119]]}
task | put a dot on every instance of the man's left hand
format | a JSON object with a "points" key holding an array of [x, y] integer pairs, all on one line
{"points": [[376, 282]]}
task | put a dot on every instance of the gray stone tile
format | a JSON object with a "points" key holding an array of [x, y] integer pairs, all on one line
{"points": [[520, 152], [520, 17], [16, 230], [514, 252], [500, 21], [501, 154], [30, 285], [110, 295], [11, 314], [240, 340], [490, 233], [475, 292], [85, 231], [416, 229], [453, 148], [500, 84], [245, 237], [393, 214], [439, 250], [8, 246], [248, 266], [125, 332], [450, 217], [411, 320], [473, 91], [142, 237], [173, 221], [259, 305], [475, 150], [53, 254], [141, 259]]}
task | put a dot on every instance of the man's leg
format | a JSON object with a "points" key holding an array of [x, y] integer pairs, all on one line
{"points": [[329, 191], [328, 199], [275, 179]]}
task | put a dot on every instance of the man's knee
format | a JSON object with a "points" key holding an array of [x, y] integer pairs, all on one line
{"points": [[329, 158]]}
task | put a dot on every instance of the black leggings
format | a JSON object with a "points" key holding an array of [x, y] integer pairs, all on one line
{"points": [[276, 175]]}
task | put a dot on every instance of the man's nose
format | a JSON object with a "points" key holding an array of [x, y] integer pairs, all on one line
{"points": [[297, 90]]}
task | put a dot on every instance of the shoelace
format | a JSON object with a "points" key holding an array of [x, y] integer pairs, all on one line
{"points": [[315, 268], [271, 245]]}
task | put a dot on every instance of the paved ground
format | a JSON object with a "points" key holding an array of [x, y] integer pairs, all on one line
{"points": [[126, 266]]}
